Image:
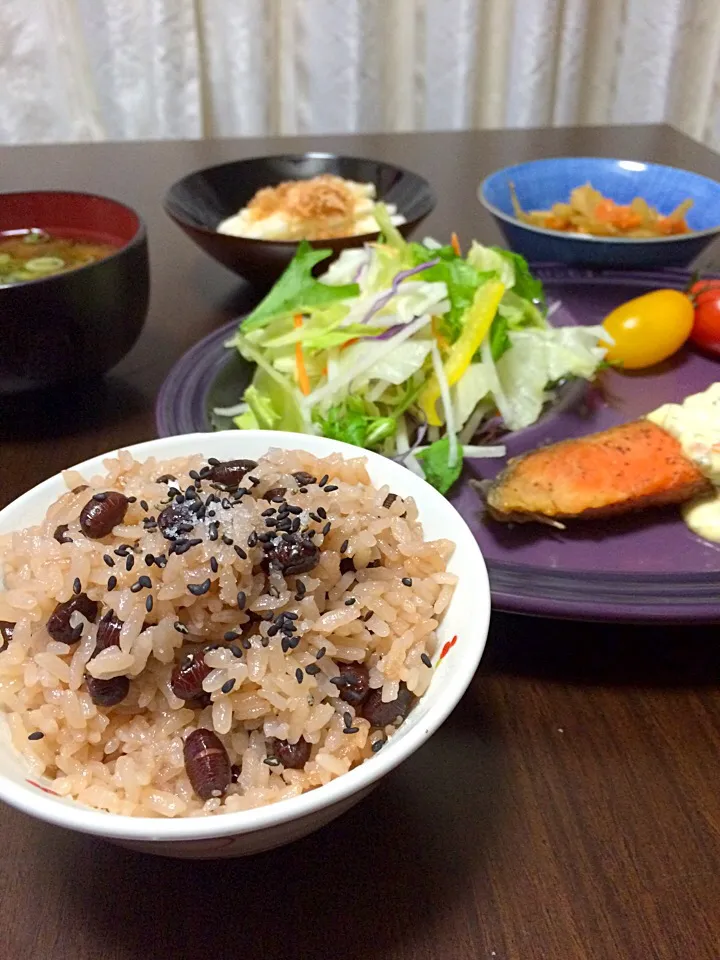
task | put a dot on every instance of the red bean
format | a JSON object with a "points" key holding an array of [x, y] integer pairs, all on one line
{"points": [[207, 764], [356, 686], [102, 513], [291, 755], [229, 473], [274, 492], [58, 625], [187, 677], [108, 632], [6, 634], [294, 556], [107, 693], [176, 519], [381, 714]]}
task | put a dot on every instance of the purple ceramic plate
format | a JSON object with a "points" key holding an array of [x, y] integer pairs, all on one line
{"points": [[644, 568]]}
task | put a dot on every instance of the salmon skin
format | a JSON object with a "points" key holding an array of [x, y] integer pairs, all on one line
{"points": [[630, 467]]}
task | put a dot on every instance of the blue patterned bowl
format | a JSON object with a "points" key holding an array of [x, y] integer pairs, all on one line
{"points": [[541, 183]]}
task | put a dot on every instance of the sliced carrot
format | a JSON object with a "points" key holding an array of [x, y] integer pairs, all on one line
{"points": [[349, 343], [302, 376], [455, 244]]}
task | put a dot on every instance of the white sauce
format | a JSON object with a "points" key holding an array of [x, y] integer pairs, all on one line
{"points": [[696, 424]]}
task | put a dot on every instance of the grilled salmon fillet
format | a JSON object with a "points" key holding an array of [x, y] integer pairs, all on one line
{"points": [[626, 468]]}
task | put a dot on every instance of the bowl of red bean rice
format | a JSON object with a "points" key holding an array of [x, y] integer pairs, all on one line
{"points": [[214, 644]]}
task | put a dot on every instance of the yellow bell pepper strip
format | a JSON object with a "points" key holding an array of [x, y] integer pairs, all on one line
{"points": [[477, 324]]}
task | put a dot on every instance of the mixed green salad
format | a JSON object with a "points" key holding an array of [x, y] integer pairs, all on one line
{"points": [[409, 349]]}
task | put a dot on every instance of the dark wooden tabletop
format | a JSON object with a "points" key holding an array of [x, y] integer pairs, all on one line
{"points": [[569, 808]]}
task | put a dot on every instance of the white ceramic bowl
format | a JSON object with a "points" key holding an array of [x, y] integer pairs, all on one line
{"points": [[246, 832]]}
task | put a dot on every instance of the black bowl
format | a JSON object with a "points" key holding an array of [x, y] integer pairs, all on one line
{"points": [[81, 323], [201, 200]]}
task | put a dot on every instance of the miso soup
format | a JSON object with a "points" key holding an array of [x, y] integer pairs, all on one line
{"points": [[34, 254]]}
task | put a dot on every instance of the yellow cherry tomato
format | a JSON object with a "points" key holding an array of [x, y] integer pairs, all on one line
{"points": [[648, 329]]}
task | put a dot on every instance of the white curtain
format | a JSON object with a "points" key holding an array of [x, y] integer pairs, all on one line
{"points": [[145, 69]]}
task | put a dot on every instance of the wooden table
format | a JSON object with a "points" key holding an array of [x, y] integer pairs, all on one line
{"points": [[570, 807]]}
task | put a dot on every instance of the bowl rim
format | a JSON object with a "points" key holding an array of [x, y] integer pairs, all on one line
{"points": [[309, 154], [588, 238], [75, 816], [136, 240]]}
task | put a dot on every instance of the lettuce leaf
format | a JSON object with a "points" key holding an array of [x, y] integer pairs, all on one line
{"points": [[297, 290], [461, 279], [437, 470]]}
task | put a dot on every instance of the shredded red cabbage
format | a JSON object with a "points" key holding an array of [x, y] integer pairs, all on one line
{"points": [[387, 297]]}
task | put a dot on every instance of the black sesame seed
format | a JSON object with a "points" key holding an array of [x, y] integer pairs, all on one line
{"points": [[130, 562], [254, 481], [269, 512], [264, 537], [122, 551], [241, 492], [270, 522], [198, 589], [37, 735], [235, 650], [299, 675], [330, 487], [300, 586], [285, 525], [272, 761], [351, 729], [310, 534], [231, 635], [149, 559], [240, 552], [161, 561], [241, 599], [149, 603], [246, 644], [407, 581], [377, 746], [144, 505], [350, 601], [322, 512], [339, 681], [315, 517], [284, 645], [100, 497], [112, 583], [132, 499], [252, 539], [323, 480], [273, 630], [136, 587], [326, 529], [344, 545], [302, 490], [228, 541], [213, 527], [426, 659], [311, 669], [368, 615], [347, 718], [213, 564], [193, 474], [180, 627], [321, 653], [289, 615], [145, 582], [77, 586], [295, 510], [108, 560], [228, 685], [213, 461]]}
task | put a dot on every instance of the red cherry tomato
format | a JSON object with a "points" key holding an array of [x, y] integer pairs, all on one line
{"points": [[706, 326]]}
